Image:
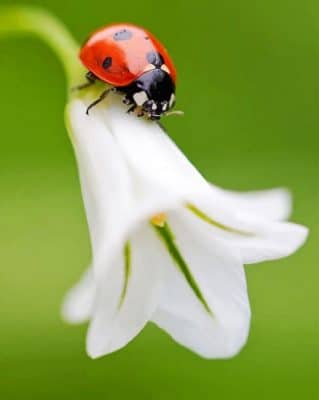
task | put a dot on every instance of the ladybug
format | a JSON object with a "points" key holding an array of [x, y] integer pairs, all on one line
{"points": [[135, 64]]}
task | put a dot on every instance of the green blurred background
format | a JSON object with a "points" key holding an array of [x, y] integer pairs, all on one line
{"points": [[249, 84]]}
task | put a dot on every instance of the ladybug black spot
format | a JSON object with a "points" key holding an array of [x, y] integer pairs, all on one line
{"points": [[155, 59], [146, 38], [124, 34], [107, 62]]}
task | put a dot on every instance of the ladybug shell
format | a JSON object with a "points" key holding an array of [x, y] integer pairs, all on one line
{"points": [[118, 54]]}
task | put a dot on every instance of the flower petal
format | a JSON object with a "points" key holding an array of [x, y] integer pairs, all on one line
{"points": [[152, 155], [79, 301], [105, 179], [218, 272], [272, 204], [126, 297], [257, 239]]}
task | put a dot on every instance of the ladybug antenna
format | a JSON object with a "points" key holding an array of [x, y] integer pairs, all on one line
{"points": [[175, 112]]}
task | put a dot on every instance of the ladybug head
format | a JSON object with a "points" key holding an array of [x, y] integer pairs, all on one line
{"points": [[155, 109], [154, 92], [160, 91]]}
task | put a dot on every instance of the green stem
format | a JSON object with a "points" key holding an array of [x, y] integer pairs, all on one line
{"points": [[27, 20]]}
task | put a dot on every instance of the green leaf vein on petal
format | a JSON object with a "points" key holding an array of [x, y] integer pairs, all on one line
{"points": [[167, 237]]}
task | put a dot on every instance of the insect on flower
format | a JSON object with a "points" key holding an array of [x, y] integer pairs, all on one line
{"points": [[167, 246], [135, 64]]}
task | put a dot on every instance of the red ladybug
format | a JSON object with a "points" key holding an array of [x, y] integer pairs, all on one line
{"points": [[135, 63]]}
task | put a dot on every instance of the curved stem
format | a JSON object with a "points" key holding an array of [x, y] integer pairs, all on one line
{"points": [[27, 20]]}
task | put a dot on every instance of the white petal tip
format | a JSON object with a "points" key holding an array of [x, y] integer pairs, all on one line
{"points": [[230, 351], [76, 307], [210, 339], [99, 341], [224, 355], [281, 202], [71, 314], [97, 348], [305, 231], [297, 237], [231, 346], [78, 302], [94, 354], [93, 349], [287, 239]]}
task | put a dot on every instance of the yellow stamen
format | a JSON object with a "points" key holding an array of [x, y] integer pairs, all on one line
{"points": [[159, 220]]}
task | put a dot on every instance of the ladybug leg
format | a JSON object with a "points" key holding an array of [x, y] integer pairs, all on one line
{"points": [[91, 79], [97, 101], [127, 101], [131, 109]]}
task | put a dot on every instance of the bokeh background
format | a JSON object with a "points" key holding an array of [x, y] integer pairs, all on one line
{"points": [[249, 85]]}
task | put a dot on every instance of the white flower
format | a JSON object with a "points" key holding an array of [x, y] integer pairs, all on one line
{"points": [[167, 246]]}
